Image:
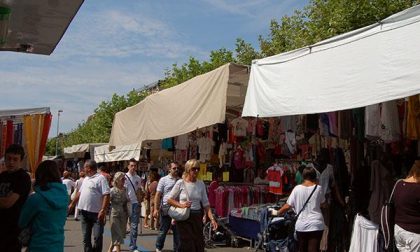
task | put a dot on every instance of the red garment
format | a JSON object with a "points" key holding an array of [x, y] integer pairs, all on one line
{"points": [[212, 193], [275, 181], [44, 136], [239, 159], [261, 153], [9, 133], [221, 202]]}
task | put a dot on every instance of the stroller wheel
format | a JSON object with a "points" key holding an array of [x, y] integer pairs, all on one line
{"points": [[234, 243]]}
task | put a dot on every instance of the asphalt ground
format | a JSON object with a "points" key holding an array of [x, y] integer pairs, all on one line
{"points": [[145, 242]]}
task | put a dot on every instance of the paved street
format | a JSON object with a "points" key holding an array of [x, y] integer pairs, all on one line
{"points": [[145, 242]]}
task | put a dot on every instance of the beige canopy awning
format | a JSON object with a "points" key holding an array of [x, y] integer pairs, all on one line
{"points": [[105, 153], [199, 102], [36, 26], [79, 150]]}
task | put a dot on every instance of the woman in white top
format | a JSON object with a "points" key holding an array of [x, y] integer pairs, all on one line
{"points": [[310, 223], [191, 230]]}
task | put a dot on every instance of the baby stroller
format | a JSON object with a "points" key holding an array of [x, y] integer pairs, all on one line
{"points": [[223, 236], [278, 235]]}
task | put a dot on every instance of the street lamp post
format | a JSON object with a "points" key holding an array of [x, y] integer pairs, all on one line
{"points": [[58, 127]]}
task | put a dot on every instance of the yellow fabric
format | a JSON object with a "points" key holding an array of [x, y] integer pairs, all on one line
{"points": [[225, 176], [209, 176], [33, 126]]}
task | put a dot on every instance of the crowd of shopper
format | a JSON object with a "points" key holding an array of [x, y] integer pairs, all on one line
{"points": [[39, 208]]}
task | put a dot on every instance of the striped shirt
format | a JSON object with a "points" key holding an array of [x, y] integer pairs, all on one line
{"points": [[165, 186]]}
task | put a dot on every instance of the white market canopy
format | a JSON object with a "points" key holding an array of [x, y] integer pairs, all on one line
{"points": [[106, 153], [79, 150], [199, 102], [37, 26], [377, 63], [120, 153]]}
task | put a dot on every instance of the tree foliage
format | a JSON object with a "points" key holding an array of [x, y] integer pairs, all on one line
{"points": [[319, 20]]}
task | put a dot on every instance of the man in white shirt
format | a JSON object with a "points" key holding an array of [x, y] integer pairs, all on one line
{"points": [[133, 184], [68, 182], [93, 202], [164, 187]]}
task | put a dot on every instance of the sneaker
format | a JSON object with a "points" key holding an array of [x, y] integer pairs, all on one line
{"points": [[158, 250]]}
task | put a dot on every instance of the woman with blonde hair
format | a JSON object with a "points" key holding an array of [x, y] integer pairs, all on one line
{"points": [[407, 211], [192, 194], [119, 212]]}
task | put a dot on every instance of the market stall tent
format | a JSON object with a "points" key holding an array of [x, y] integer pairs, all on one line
{"points": [[29, 128], [377, 63], [79, 150], [35, 26], [107, 153], [199, 102]]}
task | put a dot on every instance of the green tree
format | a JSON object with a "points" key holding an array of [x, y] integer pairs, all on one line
{"points": [[245, 53], [322, 19]]}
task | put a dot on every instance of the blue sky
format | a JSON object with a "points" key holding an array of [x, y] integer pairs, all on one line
{"points": [[115, 46]]}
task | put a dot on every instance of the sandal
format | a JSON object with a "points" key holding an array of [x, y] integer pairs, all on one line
{"points": [[146, 226]]}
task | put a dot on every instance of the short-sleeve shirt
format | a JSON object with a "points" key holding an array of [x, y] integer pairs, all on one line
{"points": [[91, 192], [407, 206], [13, 182], [197, 193], [310, 219], [69, 185], [165, 186], [136, 183]]}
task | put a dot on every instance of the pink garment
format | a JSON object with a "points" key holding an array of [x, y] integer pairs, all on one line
{"points": [[332, 118], [239, 159], [212, 193]]}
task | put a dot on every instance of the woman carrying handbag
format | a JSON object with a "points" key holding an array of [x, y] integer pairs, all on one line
{"points": [[192, 194]]}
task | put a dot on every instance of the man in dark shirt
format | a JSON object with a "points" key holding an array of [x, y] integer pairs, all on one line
{"points": [[15, 185]]}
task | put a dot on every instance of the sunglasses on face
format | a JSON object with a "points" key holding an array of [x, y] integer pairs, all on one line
{"points": [[174, 168], [195, 169]]}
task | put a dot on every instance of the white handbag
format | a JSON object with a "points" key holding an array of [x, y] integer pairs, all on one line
{"points": [[180, 214]]}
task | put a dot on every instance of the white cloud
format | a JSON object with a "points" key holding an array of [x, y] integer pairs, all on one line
{"points": [[239, 7], [123, 34]]}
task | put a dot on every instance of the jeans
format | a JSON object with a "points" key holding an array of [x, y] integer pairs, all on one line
{"points": [[406, 241], [90, 223], [165, 225], [134, 223]]}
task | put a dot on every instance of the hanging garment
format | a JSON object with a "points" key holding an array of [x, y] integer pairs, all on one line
{"points": [[365, 235], [413, 117], [381, 185], [182, 142], [372, 121], [324, 127], [10, 133], [240, 126], [288, 123], [344, 121], [239, 159], [390, 126], [332, 121], [205, 147]]}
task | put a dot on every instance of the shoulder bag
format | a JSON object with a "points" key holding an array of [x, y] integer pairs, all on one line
{"points": [[388, 218], [178, 213], [139, 192]]}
